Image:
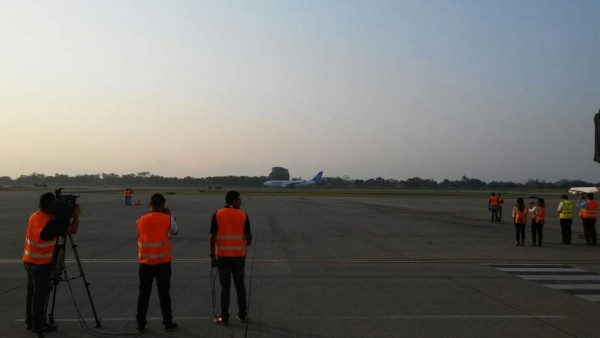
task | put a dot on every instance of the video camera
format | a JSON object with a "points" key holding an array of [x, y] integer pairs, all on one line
{"points": [[63, 206]]}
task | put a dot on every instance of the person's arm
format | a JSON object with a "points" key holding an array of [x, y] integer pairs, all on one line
{"points": [[247, 231], [560, 207], [213, 234], [582, 204], [174, 229], [514, 214]]}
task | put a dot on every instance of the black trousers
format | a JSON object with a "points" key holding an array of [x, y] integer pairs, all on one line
{"points": [[38, 290], [228, 267], [565, 228], [589, 229], [494, 211], [147, 274], [520, 232], [536, 232]]}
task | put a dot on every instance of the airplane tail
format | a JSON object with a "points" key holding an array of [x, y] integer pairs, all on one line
{"points": [[318, 177]]}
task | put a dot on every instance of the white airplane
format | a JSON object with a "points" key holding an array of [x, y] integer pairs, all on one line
{"points": [[294, 183], [580, 190]]}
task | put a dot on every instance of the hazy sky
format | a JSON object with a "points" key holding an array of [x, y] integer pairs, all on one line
{"points": [[495, 90]]}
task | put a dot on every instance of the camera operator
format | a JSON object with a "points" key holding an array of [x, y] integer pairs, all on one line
{"points": [[42, 232]]}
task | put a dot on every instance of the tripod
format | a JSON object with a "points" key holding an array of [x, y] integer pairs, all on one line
{"points": [[59, 273]]}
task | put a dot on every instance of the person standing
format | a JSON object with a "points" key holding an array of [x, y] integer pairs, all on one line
{"points": [[565, 215], [493, 206], [538, 218], [519, 215], [40, 240], [229, 236], [588, 209], [500, 206], [155, 230], [126, 194]]}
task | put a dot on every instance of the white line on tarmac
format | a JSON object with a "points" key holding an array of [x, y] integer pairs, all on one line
{"points": [[574, 286], [560, 277], [593, 298], [416, 317], [541, 270]]}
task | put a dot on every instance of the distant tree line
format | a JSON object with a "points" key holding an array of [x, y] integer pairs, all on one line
{"points": [[147, 179]]}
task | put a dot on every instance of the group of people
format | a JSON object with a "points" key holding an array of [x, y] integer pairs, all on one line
{"points": [[537, 213], [229, 236]]}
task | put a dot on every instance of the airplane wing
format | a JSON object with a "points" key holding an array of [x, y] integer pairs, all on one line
{"points": [[579, 190]]}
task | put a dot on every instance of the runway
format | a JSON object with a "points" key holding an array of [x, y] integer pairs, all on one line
{"points": [[336, 266]]}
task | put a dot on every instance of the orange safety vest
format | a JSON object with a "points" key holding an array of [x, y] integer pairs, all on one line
{"points": [[520, 216], [493, 201], [154, 244], [590, 212], [231, 241], [38, 251], [541, 215]]}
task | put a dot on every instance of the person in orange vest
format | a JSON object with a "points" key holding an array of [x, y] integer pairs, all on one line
{"points": [[155, 230], [126, 194], [229, 236], [493, 207], [41, 236], [538, 217], [588, 209], [500, 206], [519, 215]]}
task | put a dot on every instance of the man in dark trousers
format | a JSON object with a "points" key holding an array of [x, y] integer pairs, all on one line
{"points": [[229, 236], [40, 241], [154, 255]]}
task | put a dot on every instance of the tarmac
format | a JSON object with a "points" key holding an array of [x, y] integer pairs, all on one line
{"points": [[338, 266]]}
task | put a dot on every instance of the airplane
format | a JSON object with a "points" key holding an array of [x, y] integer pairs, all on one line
{"points": [[584, 190], [294, 183]]}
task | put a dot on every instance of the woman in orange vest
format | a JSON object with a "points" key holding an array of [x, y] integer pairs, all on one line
{"points": [[537, 222], [588, 212], [519, 216], [42, 232]]}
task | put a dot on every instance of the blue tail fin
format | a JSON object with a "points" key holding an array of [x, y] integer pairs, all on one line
{"points": [[318, 177]]}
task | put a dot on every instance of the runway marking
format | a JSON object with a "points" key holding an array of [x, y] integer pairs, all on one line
{"points": [[415, 317], [578, 282]]}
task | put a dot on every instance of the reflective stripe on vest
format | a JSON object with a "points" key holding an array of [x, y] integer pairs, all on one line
{"points": [[154, 245], [230, 240], [567, 210], [37, 251], [590, 212], [520, 216]]}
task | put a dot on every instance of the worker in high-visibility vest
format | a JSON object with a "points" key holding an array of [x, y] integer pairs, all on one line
{"points": [[229, 235], [519, 215], [565, 216], [538, 218], [588, 211], [155, 230], [493, 205], [42, 232]]}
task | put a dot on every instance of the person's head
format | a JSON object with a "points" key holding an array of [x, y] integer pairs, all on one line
{"points": [[493, 194], [157, 202], [541, 203], [46, 201], [233, 198], [564, 197], [520, 203], [590, 196], [499, 194]]}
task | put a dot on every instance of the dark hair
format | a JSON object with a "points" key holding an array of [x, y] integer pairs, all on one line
{"points": [[231, 196], [590, 196], [564, 197], [46, 201], [158, 201], [493, 194], [541, 203], [520, 204]]}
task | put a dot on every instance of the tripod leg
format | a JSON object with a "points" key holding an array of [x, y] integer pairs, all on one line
{"points": [[85, 282]]}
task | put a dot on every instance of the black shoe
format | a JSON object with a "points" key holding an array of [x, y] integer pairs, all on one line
{"points": [[221, 321], [170, 326], [45, 328], [518, 243], [29, 325], [140, 328], [242, 318]]}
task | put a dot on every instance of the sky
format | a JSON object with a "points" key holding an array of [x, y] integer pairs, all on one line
{"points": [[495, 90]]}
